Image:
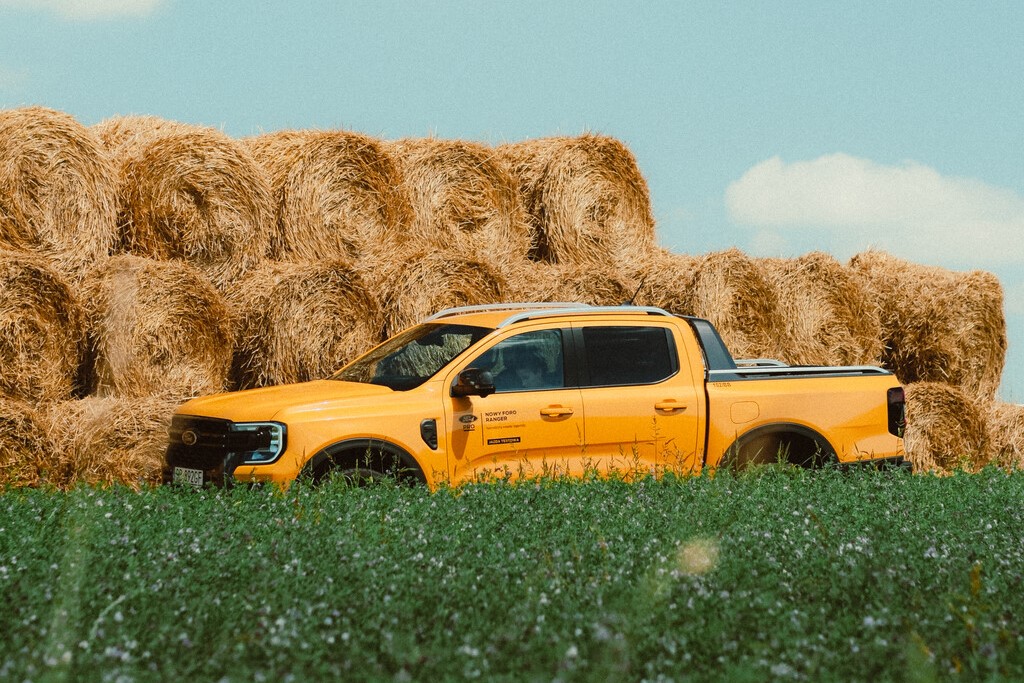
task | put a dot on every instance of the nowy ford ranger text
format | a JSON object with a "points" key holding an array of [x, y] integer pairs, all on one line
{"points": [[527, 389]]}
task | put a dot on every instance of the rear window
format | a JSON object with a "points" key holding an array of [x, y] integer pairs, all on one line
{"points": [[617, 356]]}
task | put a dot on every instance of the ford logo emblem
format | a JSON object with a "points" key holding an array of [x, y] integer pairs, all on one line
{"points": [[189, 438], [466, 419]]}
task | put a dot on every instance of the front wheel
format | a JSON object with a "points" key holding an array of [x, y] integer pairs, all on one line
{"points": [[359, 476]]}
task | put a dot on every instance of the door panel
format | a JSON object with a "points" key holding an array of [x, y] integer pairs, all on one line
{"points": [[517, 434], [532, 425]]}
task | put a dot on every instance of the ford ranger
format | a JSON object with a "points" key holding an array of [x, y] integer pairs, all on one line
{"points": [[514, 390]]}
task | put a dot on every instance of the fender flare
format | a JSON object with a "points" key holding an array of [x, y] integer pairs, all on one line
{"points": [[408, 466], [826, 452]]}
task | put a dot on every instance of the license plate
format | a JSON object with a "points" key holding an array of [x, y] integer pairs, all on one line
{"points": [[189, 476]]}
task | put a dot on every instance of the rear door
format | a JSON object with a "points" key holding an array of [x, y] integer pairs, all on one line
{"points": [[640, 398]]}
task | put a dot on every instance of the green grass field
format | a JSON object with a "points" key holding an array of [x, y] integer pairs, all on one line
{"points": [[774, 575]]}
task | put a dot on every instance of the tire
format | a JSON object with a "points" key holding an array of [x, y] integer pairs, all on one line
{"points": [[781, 449], [360, 476]]}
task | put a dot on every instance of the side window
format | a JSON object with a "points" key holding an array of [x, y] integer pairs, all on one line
{"points": [[527, 362], [617, 356]]}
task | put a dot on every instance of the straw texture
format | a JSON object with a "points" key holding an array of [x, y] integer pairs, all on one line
{"points": [[57, 189], [463, 198], [42, 330], [300, 322], [338, 195], [156, 327], [938, 325], [586, 198], [195, 194]]}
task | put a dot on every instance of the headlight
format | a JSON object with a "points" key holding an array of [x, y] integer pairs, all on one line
{"points": [[259, 443]]}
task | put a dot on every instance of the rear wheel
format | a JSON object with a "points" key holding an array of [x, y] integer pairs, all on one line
{"points": [[782, 448]]}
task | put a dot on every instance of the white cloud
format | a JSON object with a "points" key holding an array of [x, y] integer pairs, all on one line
{"points": [[88, 9], [910, 210]]}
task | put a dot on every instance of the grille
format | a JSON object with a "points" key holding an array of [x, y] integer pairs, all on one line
{"points": [[198, 442]]}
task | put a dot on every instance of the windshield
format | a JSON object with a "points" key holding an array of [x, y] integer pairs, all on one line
{"points": [[411, 358]]}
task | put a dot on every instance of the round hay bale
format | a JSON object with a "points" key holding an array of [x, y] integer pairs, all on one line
{"points": [[24, 446], [42, 330], [428, 281], [830, 318], [663, 280], [156, 326], [946, 428], [1006, 434], [300, 322], [586, 199], [57, 191], [597, 286], [463, 199], [119, 131], [195, 194], [107, 440], [938, 325], [338, 195], [728, 288]]}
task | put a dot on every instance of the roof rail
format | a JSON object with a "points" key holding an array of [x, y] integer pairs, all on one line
{"points": [[484, 308], [580, 308]]}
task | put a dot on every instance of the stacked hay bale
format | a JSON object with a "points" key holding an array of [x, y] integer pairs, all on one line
{"points": [[42, 332], [429, 281], [464, 200], [317, 243], [1006, 434], [190, 193], [597, 286], [25, 445], [728, 288], [338, 195], [302, 321], [586, 198], [946, 428], [121, 131], [938, 325], [828, 315], [57, 190], [155, 327], [107, 440]]}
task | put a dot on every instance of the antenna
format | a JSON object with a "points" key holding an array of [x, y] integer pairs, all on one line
{"points": [[639, 287]]}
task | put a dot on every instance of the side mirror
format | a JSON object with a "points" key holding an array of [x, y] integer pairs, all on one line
{"points": [[473, 382]]}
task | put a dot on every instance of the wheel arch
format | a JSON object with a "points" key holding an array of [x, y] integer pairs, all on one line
{"points": [[801, 445], [386, 457]]}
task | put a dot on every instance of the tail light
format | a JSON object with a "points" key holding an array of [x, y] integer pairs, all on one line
{"points": [[897, 411]]}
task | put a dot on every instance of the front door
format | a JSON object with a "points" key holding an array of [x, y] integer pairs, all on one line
{"points": [[532, 425]]}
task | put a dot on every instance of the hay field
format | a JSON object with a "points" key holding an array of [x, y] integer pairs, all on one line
{"points": [[145, 261]]}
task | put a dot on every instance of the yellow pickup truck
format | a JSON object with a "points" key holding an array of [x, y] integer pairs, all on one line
{"points": [[520, 390]]}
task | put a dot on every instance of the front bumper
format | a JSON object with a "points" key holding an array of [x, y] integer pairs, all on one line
{"points": [[212, 447]]}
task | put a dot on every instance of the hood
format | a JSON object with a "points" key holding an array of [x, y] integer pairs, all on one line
{"points": [[254, 405]]}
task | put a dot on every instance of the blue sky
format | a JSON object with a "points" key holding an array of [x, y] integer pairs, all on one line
{"points": [[779, 127]]}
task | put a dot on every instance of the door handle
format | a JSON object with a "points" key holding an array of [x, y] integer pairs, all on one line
{"points": [[556, 411], [669, 406]]}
